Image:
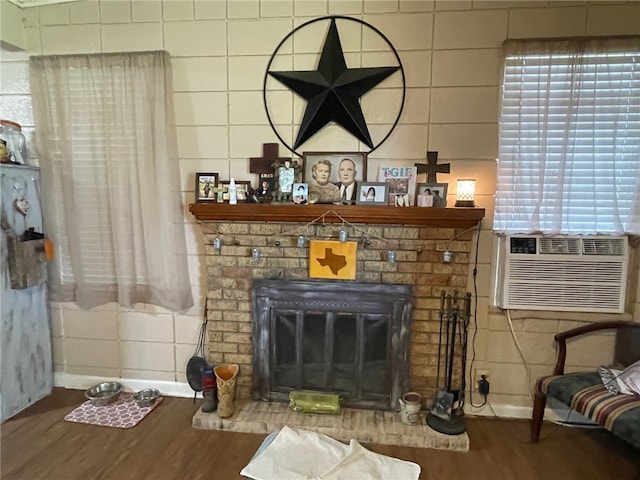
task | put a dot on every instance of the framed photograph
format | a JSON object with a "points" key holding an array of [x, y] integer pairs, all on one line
{"points": [[335, 176], [432, 194], [286, 173], [402, 185], [300, 193], [372, 193], [205, 186], [243, 188], [266, 185]]}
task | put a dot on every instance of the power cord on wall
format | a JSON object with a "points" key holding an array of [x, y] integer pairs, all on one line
{"points": [[475, 332], [483, 383], [519, 348]]}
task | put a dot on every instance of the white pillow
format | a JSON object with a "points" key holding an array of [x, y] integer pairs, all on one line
{"points": [[625, 381], [630, 376]]}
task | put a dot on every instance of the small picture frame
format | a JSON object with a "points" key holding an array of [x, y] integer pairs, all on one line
{"points": [[206, 184], [266, 185], [300, 194], [372, 193], [341, 173], [286, 173], [399, 200], [402, 184], [432, 194], [243, 190]]}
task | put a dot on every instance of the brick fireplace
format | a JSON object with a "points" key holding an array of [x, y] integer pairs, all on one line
{"points": [[419, 244]]}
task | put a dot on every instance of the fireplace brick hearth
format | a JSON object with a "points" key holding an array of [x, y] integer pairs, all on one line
{"points": [[419, 263]]}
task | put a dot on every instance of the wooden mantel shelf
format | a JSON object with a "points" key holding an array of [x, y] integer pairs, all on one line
{"points": [[254, 212]]}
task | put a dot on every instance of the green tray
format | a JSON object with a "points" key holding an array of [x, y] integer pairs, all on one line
{"points": [[305, 401]]}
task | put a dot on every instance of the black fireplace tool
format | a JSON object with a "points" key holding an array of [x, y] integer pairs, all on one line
{"points": [[444, 398], [447, 416], [197, 360]]}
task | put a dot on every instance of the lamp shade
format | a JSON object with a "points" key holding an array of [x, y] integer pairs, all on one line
{"points": [[465, 193]]}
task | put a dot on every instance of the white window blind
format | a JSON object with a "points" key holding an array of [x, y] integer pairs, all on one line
{"points": [[89, 178], [569, 153]]}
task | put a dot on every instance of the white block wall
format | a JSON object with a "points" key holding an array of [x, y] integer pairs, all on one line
{"points": [[451, 55]]}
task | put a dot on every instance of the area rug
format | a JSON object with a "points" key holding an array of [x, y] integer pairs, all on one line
{"points": [[123, 413], [369, 426]]}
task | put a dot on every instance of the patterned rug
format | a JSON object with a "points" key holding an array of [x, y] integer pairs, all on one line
{"points": [[123, 413]]}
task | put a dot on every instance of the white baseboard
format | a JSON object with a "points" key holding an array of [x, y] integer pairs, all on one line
{"points": [[499, 410], [555, 412], [83, 382]]}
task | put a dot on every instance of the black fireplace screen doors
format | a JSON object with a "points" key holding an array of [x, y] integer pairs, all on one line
{"points": [[352, 339]]}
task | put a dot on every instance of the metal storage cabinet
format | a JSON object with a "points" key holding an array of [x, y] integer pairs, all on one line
{"points": [[25, 333]]}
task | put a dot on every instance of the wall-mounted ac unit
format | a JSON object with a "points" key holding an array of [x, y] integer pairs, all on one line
{"points": [[580, 274]]}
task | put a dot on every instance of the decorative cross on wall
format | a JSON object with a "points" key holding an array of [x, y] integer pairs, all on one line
{"points": [[265, 163], [431, 168]]}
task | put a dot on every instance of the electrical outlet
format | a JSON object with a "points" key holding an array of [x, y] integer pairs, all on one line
{"points": [[479, 372]]}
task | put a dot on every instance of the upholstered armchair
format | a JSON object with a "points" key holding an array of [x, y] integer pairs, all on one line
{"points": [[585, 392]]}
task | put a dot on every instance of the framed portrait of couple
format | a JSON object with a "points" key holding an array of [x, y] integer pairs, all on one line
{"points": [[335, 176]]}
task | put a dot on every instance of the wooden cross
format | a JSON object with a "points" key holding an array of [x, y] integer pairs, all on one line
{"points": [[265, 163], [431, 168], [219, 191]]}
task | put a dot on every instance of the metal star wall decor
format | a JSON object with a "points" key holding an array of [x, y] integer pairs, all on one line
{"points": [[333, 91]]}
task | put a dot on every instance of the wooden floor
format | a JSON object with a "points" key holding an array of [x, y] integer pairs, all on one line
{"points": [[39, 444]]}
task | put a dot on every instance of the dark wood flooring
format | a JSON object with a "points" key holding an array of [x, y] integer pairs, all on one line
{"points": [[39, 444]]}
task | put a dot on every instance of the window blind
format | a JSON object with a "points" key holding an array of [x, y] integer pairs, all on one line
{"points": [[569, 147], [102, 172]]}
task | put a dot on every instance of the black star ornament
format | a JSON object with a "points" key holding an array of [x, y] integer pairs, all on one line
{"points": [[333, 91]]}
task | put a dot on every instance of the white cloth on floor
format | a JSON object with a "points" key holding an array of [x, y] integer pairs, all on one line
{"points": [[360, 463], [302, 455]]}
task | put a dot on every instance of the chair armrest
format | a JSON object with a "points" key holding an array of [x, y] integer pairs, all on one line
{"points": [[562, 337]]}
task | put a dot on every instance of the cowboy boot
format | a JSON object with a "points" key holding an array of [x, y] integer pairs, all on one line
{"points": [[209, 392], [226, 382]]}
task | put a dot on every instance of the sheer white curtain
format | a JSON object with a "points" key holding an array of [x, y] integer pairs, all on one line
{"points": [[106, 140], [569, 158]]}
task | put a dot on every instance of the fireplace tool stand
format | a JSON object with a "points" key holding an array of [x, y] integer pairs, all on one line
{"points": [[447, 414]]}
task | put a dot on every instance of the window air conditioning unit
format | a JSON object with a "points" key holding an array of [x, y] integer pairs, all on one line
{"points": [[577, 274]]}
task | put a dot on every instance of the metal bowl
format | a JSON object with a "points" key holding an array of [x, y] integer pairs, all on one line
{"points": [[103, 393], [146, 397]]}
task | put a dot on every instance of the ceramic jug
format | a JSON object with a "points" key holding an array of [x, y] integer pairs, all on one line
{"points": [[410, 408]]}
